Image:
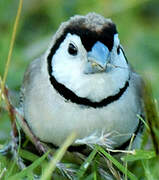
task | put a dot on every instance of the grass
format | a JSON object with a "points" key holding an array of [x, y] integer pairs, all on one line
{"points": [[136, 164], [11, 47]]}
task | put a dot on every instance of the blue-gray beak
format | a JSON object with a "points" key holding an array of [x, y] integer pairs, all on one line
{"points": [[99, 56]]}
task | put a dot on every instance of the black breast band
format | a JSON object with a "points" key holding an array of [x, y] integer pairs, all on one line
{"points": [[71, 96]]}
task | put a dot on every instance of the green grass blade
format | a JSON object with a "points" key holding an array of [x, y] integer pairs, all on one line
{"points": [[86, 164], [148, 173], [11, 47], [90, 177], [28, 155], [144, 122], [139, 155], [58, 156], [116, 163], [29, 168]]}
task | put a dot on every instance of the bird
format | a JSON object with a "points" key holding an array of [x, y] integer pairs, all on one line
{"points": [[84, 83]]}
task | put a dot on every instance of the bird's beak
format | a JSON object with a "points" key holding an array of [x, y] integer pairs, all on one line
{"points": [[99, 56]]}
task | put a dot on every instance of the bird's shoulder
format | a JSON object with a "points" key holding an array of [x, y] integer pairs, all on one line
{"points": [[30, 74]]}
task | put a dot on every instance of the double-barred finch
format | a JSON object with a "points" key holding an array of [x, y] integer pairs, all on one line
{"points": [[84, 83]]}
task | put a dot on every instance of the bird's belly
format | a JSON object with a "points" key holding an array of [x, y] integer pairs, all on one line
{"points": [[55, 121]]}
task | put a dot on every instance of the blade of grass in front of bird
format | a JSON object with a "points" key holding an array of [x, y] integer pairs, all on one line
{"points": [[94, 169], [58, 156], [144, 122], [129, 148], [116, 163], [29, 169], [86, 163]]}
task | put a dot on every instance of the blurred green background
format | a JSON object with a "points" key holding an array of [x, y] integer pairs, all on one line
{"points": [[137, 22]]}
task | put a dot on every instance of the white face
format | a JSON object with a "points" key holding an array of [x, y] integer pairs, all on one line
{"points": [[64, 63], [69, 69]]}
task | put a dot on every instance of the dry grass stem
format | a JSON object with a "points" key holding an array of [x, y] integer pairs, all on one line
{"points": [[11, 47]]}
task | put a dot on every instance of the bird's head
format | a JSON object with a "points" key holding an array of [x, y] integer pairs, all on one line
{"points": [[86, 48]]}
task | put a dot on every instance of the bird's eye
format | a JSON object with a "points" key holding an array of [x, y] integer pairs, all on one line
{"points": [[72, 49], [118, 49]]}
